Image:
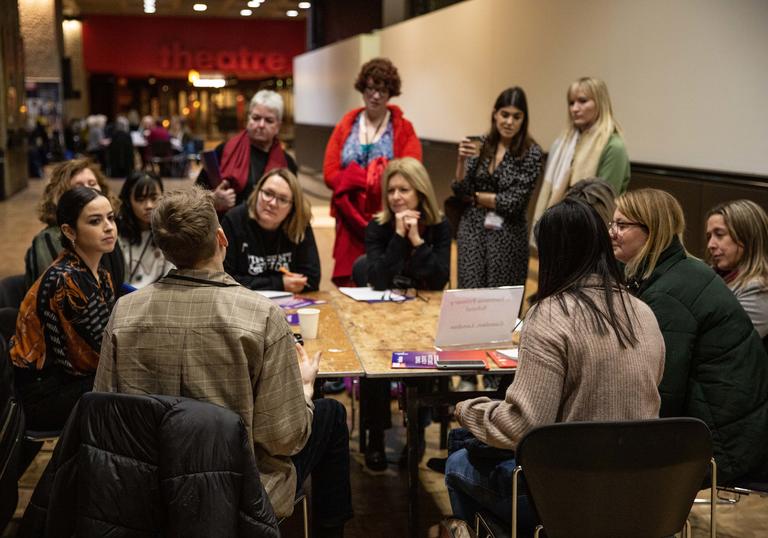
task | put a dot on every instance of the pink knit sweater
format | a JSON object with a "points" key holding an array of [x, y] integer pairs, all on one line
{"points": [[567, 372]]}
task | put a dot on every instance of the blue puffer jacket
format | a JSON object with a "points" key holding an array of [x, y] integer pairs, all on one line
{"points": [[716, 367], [130, 465]]}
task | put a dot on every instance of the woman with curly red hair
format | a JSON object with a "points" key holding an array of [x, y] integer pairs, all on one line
{"points": [[358, 151]]}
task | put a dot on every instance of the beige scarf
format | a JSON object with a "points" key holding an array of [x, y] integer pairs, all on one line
{"points": [[574, 156]]}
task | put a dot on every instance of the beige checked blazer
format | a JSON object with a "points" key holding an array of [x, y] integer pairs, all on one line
{"points": [[202, 335]]}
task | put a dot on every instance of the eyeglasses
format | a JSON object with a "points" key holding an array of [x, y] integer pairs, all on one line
{"points": [[620, 226], [370, 90], [268, 196]]}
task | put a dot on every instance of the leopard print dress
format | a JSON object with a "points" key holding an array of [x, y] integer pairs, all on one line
{"points": [[490, 258]]}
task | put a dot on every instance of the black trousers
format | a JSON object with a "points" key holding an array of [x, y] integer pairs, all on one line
{"points": [[326, 458], [49, 397]]}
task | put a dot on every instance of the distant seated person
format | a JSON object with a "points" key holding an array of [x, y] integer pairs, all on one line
{"points": [[154, 132], [407, 244], [737, 249], [271, 244], [61, 321], [47, 244], [197, 333], [248, 156], [589, 351], [144, 261]]}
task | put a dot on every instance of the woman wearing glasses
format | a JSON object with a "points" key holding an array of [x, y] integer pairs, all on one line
{"points": [[716, 368], [591, 145], [358, 151], [271, 244], [737, 249]]}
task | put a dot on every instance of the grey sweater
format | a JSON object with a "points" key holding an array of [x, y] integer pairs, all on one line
{"points": [[567, 372]]}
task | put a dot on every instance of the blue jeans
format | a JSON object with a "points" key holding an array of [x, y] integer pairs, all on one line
{"points": [[485, 485], [326, 458]]}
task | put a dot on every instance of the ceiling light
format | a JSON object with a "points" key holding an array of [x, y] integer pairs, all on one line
{"points": [[292, 13], [246, 12], [254, 3], [304, 5], [149, 6], [200, 7]]}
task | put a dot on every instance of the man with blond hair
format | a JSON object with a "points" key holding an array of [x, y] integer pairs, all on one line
{"points": [[198, 333]]}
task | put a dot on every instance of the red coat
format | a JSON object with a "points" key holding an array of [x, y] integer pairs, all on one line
{"points": [[357, 192]]}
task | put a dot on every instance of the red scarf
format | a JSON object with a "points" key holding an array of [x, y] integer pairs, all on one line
{"points": [[236, 160]]}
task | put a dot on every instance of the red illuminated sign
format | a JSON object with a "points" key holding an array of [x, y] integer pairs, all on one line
{"points": [[170, 47]]}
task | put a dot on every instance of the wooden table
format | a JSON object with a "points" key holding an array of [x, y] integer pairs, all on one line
{"points": [[339, 358], [378, 329]]}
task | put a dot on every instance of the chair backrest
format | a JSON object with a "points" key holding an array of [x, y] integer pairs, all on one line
{"points": [[12, 291], [160, 148], [606, 479], [186, 466]]}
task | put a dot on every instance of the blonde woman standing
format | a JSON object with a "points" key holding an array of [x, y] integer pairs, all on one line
{"points": [[271, 244], [592, 145], [737, 249]]}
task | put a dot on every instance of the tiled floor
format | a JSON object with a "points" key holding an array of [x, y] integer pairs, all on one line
{"points": [[379, 499]]}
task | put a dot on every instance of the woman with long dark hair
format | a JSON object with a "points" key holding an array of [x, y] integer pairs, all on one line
{"points": [[585, 335], [499, 176], [144, 261], [56, 347]]}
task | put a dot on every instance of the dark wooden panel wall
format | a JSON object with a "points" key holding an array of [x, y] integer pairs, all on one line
{"points": [[696, 190]]}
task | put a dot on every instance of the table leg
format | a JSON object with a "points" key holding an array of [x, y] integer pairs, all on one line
{"points": [[412, 414], [363, 430]]}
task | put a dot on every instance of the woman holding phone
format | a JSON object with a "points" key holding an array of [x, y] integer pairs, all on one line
{"points": [[498, 173]]}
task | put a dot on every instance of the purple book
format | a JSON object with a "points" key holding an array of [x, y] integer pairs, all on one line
{"points": [[414, 359], [295, 301]]}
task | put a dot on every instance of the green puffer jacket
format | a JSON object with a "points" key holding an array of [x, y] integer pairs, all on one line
{"points": [[716, 367]]}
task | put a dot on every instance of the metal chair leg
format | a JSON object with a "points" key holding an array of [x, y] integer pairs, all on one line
{"points": [[515, 479], [538, 530], [713, 505], [306, 516], [687, 529]]}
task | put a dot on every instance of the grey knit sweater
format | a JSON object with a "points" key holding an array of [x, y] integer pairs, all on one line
{"points": [[567, 372]]}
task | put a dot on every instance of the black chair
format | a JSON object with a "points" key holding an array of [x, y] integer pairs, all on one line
{"points": [[12, 419], [130, 465], [12, 291], [633, 479], [165, 162]]}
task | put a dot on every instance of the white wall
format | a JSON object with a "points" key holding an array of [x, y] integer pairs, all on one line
{"points": [[323, 79], [689, 78]]}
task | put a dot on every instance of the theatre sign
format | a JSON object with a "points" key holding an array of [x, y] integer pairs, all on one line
{"points": [[171, 47]]}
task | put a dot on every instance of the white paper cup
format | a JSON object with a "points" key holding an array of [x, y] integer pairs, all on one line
{"points": [[309, 320]]}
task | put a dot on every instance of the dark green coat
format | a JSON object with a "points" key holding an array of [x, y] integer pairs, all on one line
{"points": [[716, 367]]}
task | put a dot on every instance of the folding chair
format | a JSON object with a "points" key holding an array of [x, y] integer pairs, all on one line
{"points": [[633, 479]]}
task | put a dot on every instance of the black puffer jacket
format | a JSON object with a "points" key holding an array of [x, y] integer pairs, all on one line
{"points": [[130, 465]]}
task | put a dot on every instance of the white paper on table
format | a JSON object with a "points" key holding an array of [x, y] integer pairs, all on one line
{"points": [[369, 294], [274, 294], [511, 353]]}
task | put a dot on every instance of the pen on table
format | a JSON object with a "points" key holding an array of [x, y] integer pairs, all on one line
{"points": [[283, 269]]}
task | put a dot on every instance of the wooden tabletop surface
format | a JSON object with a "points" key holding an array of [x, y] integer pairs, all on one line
{"points": [[378, 329], [339, 358]]}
